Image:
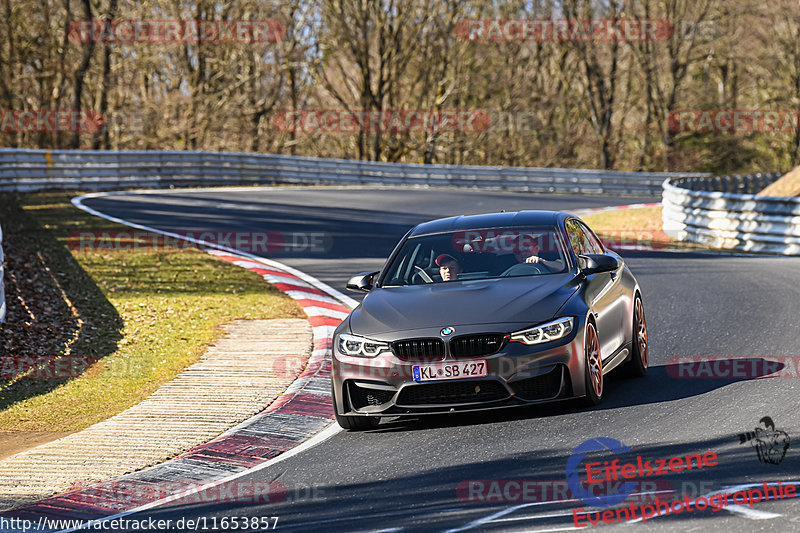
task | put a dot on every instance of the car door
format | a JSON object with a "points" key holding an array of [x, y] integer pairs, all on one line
{"points": [[618, 302], [602, 290]]}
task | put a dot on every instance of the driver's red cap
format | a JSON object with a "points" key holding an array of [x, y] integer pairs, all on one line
{"points": [[445, 257]]}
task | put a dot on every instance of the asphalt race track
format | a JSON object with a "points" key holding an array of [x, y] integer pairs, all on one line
{"points": [[409, 475]]}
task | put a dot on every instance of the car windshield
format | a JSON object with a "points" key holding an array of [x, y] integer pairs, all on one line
{"points": [[476, 255]]}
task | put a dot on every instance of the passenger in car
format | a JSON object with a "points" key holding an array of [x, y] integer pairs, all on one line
{"points": [[528, 251]]}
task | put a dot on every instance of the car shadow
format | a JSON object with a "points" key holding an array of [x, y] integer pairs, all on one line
{"points": [[59, 322], [462, 496], [661, 384]]}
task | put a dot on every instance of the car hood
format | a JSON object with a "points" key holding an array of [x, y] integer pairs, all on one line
{"points": [[524, 300]]}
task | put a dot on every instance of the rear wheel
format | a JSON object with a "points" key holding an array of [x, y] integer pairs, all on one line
{"points": [[353, 423], [594, 367], [637, 366]]}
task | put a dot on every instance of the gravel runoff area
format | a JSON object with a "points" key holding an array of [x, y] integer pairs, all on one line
{"points": [[231, 382]]}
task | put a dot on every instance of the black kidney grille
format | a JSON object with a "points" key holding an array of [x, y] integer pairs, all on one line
{"points": [[476, 345], [419, 349], [452, 393]]}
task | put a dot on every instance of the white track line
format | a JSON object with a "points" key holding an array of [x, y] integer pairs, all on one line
{"points": [[322, 311], [552, 530], [499, 514], [337, 297], [526, 517], [78, 202], [320, 437]]}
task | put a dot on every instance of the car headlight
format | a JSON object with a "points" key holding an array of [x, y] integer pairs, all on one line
{"points": [[551, 331], [360, 346]]}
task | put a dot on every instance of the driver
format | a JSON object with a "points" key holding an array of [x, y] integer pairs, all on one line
{"points": [[449, 268], [527, 251]]}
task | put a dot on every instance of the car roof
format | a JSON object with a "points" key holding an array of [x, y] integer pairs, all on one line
{"points": [[489, 220]]}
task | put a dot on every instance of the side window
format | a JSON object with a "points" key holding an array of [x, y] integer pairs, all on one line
{"points": [[576, 237], [591, 241]]}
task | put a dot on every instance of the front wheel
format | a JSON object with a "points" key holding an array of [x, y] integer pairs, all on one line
{"points": [[640, 347], [353, 423], [593, 365]]}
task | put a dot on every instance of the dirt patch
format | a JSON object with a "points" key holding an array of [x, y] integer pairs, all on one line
{"points": [[13, 442], [788, 185]]}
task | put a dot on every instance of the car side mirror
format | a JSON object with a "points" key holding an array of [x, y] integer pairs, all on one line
{"points": [[362, 282], [597, 263]]}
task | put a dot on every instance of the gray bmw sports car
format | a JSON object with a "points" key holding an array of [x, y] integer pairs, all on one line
{"points": [[486, 311]]}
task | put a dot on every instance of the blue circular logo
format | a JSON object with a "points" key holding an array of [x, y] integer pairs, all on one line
{"points": [[447, 331], [574, 482]]}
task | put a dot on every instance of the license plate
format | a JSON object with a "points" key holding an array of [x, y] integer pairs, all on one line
{"points": [[459, 370]]}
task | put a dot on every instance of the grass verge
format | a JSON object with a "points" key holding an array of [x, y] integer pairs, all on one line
{"points": [[642, 219], [631, 227], [92, 332]]}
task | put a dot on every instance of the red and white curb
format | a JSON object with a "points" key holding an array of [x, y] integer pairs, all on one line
{"points": [[324, 313], [298, 419]]}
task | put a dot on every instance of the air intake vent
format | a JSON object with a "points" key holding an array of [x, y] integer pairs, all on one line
{"points": [[361, 397], [541, 387], [460, 392]]}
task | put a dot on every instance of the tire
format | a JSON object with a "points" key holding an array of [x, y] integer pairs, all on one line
{"points": [[593, 367], [353, 423], [640, 345]]}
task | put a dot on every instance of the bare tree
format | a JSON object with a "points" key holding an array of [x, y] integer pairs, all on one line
{"points": [[80, 73], [666, 65]]}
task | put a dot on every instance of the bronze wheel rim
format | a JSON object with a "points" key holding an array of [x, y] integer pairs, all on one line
{"points": [[641, 332], [594, 361]]}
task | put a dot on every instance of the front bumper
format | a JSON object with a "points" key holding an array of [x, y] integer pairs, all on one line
{"points": [[517, 375]]}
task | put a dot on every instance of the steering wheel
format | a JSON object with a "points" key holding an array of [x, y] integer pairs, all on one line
{"points": [[525, 269], [420, 276]]}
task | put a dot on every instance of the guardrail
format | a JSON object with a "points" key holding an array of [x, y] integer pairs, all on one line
{"points": [[34, 170], [2, 287], [726, 213]]}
